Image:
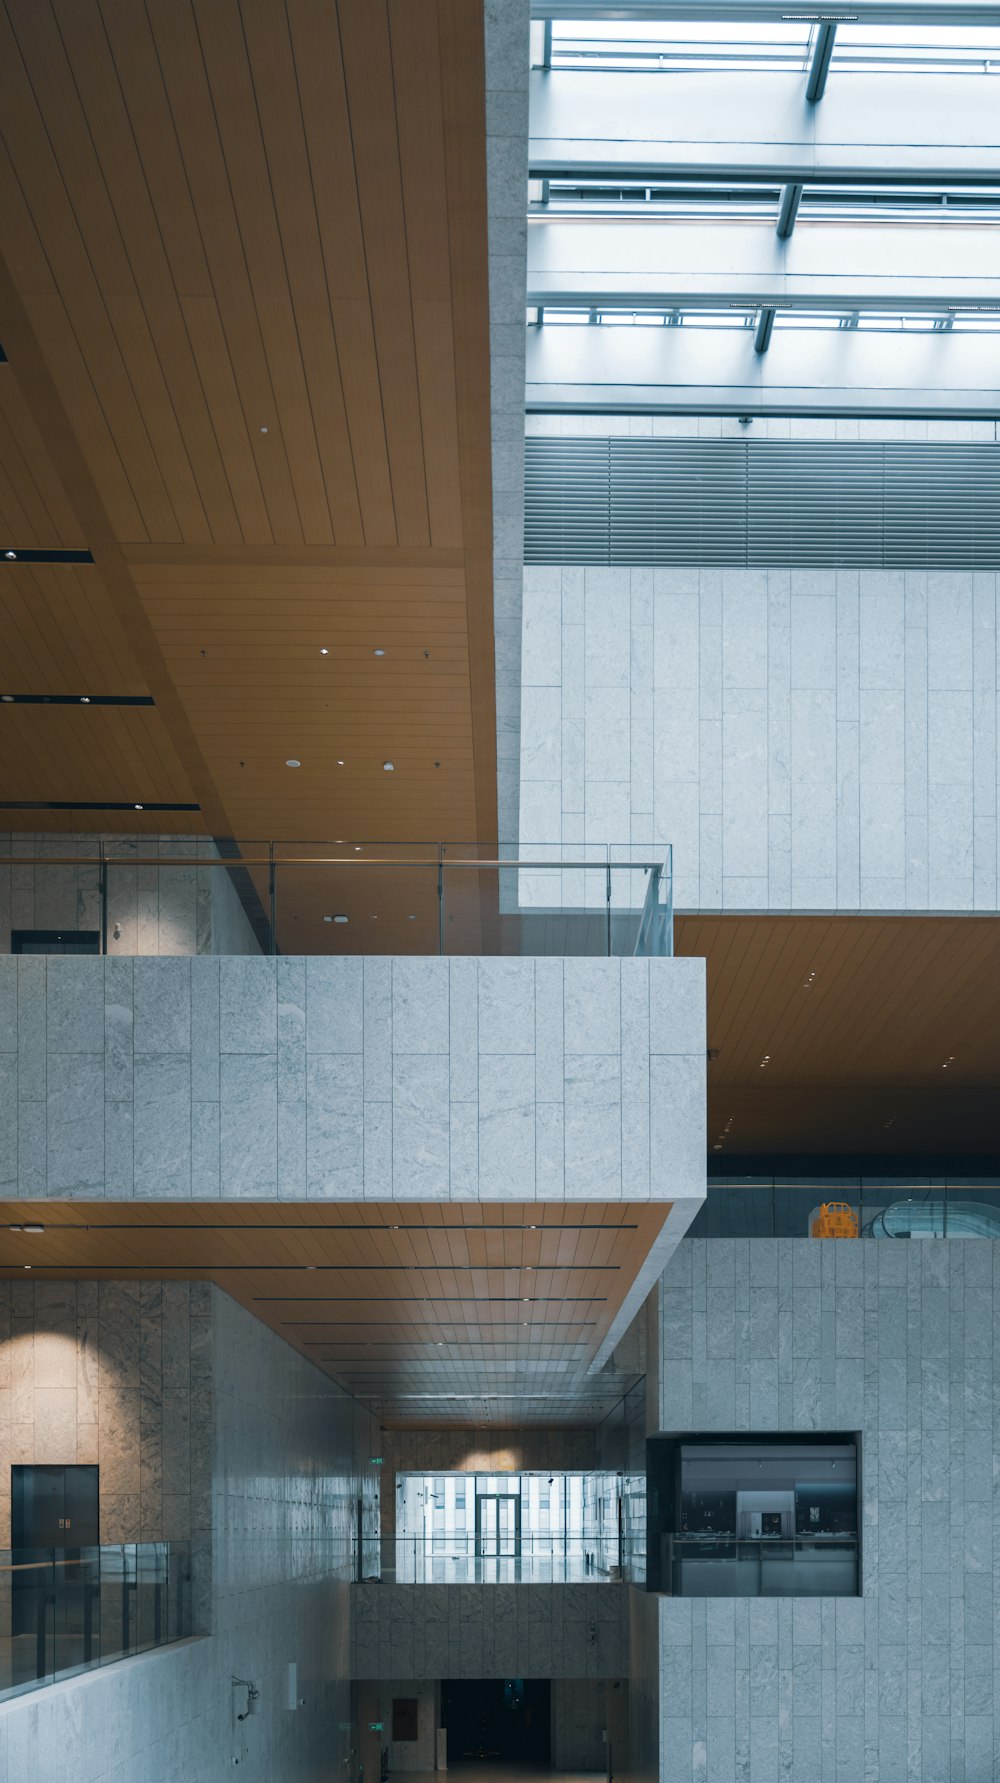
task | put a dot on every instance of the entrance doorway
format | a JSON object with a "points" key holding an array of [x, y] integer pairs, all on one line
{"points": [[498, 1526], [497, 1720]]}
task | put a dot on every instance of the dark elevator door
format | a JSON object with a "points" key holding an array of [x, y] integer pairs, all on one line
{"points": [[52, 1607], [54, 1507]]}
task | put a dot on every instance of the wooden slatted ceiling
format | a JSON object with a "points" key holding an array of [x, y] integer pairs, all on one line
{"points": [[856, 1054], [242, 643], [245, 306], [395, 1299]]}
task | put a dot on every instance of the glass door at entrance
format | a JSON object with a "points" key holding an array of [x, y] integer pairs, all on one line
{"points": [[498, 1526]]}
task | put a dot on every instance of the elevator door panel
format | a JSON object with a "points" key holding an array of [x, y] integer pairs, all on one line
{"points": [[54, 1507]]}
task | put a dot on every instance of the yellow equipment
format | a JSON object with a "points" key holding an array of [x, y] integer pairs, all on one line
{"points": [[833, 1219]]}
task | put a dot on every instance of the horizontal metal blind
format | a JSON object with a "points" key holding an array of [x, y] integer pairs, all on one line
{"points": [[677, 501], [754, 503], [818, 507], [942, 506], [567, 513]]}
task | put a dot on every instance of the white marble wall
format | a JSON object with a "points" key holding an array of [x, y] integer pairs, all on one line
{"points": [[166, 909], [288, 1455], [898, 1342], [490, 1631], [115, 1373], [429, 1079], [806, 740]]}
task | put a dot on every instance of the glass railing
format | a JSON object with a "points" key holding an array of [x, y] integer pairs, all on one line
{"points": [[67, 1610], [764, 1566], [535, 1559], [878, 1208], [346, 897]]}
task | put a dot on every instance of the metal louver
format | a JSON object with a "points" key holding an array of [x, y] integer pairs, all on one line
{"points": [[567, 511], [759, 503]]}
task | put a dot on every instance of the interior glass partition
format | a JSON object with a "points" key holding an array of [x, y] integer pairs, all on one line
{"points": [[499, 1528]]}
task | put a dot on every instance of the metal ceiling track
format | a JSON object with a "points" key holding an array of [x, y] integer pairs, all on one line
{"points": [[775, 172], [861, 12]]}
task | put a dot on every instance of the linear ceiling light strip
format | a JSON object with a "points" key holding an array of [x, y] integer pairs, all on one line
{"points": [[329, 1226], [92, 805], [77, 699], [14, 554]]}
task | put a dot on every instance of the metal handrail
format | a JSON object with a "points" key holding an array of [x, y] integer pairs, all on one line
{"points": [[348, 860]]}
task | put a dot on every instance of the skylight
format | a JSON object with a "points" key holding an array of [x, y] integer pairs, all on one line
{"points": [[695, 47]]}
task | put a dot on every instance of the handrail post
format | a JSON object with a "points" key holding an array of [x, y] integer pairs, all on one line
{"points": [[440, 892], [272, 894], [607, 901]]}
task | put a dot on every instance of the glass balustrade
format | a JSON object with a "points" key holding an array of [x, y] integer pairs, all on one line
{"points": [[143, 896], [67, 1610]]}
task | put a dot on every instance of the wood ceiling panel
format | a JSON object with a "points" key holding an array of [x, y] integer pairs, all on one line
{"points": [[395, 1300], [34, 511], [880, 1032], [116, 753], [246, 288], [371, 99]]}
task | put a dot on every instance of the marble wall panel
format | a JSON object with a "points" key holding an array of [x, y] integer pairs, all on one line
{"points": [[86, 1369], [494, 1631], [804, 740], [896, 1343], [581, 1077]]}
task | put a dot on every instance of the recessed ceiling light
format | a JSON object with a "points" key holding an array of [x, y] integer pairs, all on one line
{"points": [[339, 918], [85, 699], [8, 698], [323, 650], [411, 919], [378, 652], [137, 807], [16, 1228], [34, 1228], [340, 762], [388, 767], [263, 430], [10, 553], [766, 1060], [293, 762]]}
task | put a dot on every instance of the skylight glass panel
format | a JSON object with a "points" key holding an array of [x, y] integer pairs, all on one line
{"points": [[680, 45], [917, 49]]}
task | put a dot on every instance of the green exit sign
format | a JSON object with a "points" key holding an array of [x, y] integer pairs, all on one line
{"points": [[376, 1460], [375, 1726]]}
